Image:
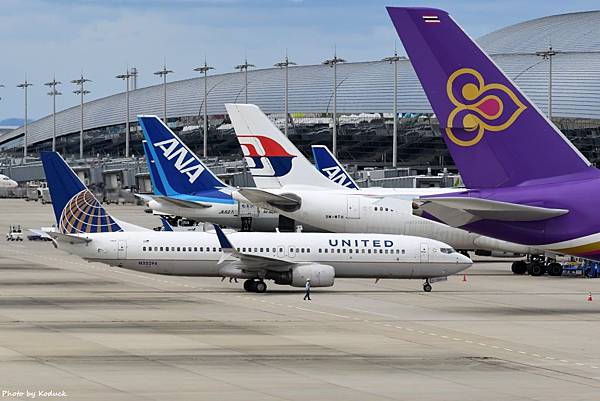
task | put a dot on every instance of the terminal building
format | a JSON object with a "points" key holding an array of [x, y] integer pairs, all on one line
{"points": [[364, 103]]}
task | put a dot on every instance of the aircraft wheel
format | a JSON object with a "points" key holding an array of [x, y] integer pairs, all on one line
{"points": [[427, 287], [555, 269], [519, 267], [249, 285], [260, 286], [536, 269]]}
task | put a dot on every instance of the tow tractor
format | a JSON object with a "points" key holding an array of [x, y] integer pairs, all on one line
{"points": [[14, 233]]}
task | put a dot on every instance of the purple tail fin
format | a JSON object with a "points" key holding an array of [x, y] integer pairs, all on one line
{"points": [[497, 137]]}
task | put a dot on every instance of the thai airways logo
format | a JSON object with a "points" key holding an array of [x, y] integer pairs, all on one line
{"points": [[84, 214], [184, 162], [479, 107], [265, 157]]}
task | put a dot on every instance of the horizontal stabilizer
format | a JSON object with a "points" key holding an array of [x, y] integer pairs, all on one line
{"points": [[173, 201], [71, 239], [458, 211], [266, 198]]}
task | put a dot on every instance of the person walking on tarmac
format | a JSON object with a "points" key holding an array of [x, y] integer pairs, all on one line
{"points": [[307, 289]]}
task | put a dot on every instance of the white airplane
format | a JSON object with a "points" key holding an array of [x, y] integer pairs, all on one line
{"points": [[84, 228], [6, 182], [289, 184]]}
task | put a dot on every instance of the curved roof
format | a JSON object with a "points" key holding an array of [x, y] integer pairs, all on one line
{"points": [[574, 32], [367, 86]]}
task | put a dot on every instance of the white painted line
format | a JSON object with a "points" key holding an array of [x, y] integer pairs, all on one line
{"points": [[564, 361], [508, 349], [482, 344]]}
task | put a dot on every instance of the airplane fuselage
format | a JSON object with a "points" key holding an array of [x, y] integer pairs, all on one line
{"points": [[198, 254], [350, 211]]}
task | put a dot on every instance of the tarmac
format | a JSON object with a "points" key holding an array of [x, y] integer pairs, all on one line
{"points": [[87, 331]]}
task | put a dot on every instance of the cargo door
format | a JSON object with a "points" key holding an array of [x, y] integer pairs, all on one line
{"points": [[424, 252], [353, 209]]}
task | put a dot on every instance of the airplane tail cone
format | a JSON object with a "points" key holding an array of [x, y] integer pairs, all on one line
{"points": [[589, 298]]}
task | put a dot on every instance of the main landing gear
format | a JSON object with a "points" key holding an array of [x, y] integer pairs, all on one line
{"points": [[426, 286], [255, 286], [537, 265]]}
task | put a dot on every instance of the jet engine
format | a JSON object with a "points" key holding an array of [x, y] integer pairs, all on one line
{"points": [[319, 275]]}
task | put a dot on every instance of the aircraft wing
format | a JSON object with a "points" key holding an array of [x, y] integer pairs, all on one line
{"points": [[247, 261], [458, 211]]}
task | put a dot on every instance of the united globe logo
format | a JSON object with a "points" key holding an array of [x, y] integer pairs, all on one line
{"points": [[84, 214]]}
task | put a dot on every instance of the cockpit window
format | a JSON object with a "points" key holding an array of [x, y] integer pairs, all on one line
{"points": [[447, 250]]}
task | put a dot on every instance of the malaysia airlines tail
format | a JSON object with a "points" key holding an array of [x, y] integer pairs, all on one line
{"points": [[496, 135], [274, 161], [331, 168], [76, 209], [174, 169]]}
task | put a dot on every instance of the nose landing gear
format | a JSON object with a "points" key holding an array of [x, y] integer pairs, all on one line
{"points": [[426, 286]]}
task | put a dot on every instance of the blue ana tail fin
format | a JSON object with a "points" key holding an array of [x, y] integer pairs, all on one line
{"points": [[331, 168], [76, 209], [177, 168], [166, 225]]}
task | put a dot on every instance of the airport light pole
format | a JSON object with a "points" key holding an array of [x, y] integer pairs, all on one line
{"points": [[24, 85], [394, 59], [163, 73], [547, 55], [81, 92], [125, 77], [53, 92], [245, 67], [285, 64], [333, 62], [204, 70]]}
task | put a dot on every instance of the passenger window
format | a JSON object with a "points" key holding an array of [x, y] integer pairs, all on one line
{"points": [[363, 250], [349, 250], [338, 251], [255, 249], [143, 248], [261, 249], [326, 250], [381, 251], [155, 249], [201, 249], [344, 250], [403, 252], [297, 250], [195, 249], [386, 209], [368, 251], [216, 251]]}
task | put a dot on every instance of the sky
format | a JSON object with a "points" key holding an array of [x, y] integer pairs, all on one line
{"points": [[40, 39]]}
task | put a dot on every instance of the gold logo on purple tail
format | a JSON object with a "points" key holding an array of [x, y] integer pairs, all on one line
{"points": [[479, 107]]}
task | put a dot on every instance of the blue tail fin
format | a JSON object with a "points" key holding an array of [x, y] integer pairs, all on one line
{"points": [[76, 209], [331, 168], [177, 170]]}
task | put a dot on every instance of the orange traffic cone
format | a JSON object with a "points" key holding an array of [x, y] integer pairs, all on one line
{"points": [[589, 298], [464, 277]]}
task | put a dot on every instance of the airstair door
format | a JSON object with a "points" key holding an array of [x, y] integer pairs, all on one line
{"points": [[424, 252], [353, 211]]}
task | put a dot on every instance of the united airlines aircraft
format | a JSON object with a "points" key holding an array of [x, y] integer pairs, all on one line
{"points": [[84, 228]]}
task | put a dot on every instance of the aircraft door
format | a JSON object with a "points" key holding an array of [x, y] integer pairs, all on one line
{"points": [[122, 249], [353, 209], [424, 252], [280, 251]]}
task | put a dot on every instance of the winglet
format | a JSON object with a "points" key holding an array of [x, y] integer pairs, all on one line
{"points": [[166, 225], [226, 246]]}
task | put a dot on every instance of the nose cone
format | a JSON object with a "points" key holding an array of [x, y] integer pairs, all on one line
{"points": [[12, 184], [462, 262]]}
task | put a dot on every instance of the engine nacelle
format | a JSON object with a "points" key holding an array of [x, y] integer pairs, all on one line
{"points": [[319, 275]]}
